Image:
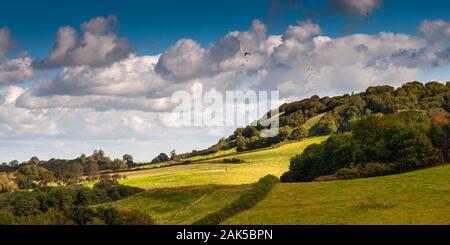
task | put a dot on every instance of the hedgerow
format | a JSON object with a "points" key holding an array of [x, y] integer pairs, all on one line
{"points": [[245, 202]]}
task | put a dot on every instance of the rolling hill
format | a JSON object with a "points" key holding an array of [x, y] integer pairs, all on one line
{"points": [[183, 205], [421, 197]]}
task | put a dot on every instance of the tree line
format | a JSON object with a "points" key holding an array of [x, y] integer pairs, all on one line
{"points": [[36, 173], [70, 205]]}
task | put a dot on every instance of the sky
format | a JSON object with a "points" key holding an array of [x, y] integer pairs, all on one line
{"points": [[78, 76]]}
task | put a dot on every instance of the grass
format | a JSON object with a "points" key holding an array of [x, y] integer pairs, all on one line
{"points": [[214, 155], [421, 197], [182, 205], [313, 121], [257, 165]]}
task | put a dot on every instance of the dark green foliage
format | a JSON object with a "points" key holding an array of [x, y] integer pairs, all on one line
{"points": [[404, 141], [325, 126], [82, 215], [161, 158], [233, 160], [30, 176], [116, 191], [362, 171], [112, 216], [298, 133], [67, 205], [245, 202]]}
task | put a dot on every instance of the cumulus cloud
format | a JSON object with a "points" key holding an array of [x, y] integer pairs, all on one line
{"points": [[435, 31], [67, 132], [300, 62], [188, 60], [12, 70], [97, 45]]}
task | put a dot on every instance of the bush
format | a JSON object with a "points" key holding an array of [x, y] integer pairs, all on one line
{"points": [[245, 202], [115, 191], [160, 158], [361, 171], [233, 160], [134, 217]]}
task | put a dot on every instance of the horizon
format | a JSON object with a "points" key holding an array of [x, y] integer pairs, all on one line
{"points": [[75, 81]]}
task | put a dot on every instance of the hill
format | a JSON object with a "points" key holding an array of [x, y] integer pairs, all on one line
{"points": [[181, 205], [317, 116], [421, 197]]}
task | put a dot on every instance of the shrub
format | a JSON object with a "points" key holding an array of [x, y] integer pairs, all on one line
{"points": [[362, 171], [233, 160], [245, 202], [116, 191], [134, 217]]}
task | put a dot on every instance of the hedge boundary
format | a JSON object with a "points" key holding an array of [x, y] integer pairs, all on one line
{"points": [[245, 202]]}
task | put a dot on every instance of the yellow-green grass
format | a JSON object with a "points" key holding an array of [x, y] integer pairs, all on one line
{"points": [[214, 155], [257, 165], [421, 197], [313, 121], [182, 205]]}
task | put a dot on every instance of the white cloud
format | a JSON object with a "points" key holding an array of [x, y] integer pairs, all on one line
{"points": [[12, 70], [300, 62], [97, 45], [114, 103]]}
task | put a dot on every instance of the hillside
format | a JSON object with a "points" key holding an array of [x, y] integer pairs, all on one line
{"points": [[421, 197], [214, 171], [181, 205], [317, 116]]}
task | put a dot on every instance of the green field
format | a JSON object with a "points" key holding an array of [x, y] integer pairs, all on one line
{"points": [[313, 121], [421, 197], [257, 165], [214, 155], [182, 205]]}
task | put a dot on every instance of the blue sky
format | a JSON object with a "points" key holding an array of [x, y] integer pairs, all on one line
{"points": [[152, 26], [102, 87]]}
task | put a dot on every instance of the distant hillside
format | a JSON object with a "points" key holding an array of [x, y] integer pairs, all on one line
{"points": [[318, 116]]}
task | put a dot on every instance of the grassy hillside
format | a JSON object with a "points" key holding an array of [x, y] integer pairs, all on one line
{"points": [[214, 155], [257, 165], [313, 121], [421, 197], [182, 205]]}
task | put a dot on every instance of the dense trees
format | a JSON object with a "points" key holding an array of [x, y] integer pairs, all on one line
{"points": [[128, 159], [70, 205], [378, 145], [36, 173], [161, 158], [31, 176]]}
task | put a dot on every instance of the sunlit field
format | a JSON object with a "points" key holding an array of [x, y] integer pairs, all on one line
{"points": [[256, 165]]}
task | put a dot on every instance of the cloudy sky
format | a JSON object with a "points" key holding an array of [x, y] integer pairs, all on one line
{"points": [[78, 77]]}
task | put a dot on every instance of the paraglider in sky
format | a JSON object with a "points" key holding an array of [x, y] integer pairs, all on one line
{"points": [[367, 14], [311, 72], [247, 55]]}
